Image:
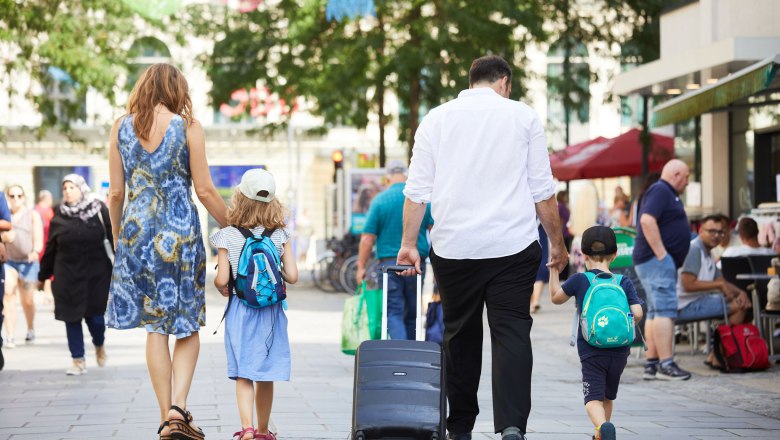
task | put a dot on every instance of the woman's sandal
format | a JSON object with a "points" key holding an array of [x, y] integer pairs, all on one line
{"points": [[240, 434], [181, 428], [269, 436], [163, 425]]}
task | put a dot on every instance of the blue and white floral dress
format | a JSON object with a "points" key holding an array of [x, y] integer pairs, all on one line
{"points": [[159, 275]]}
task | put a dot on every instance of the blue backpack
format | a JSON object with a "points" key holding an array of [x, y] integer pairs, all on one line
{"points": [[606, 318], [259, 282]]}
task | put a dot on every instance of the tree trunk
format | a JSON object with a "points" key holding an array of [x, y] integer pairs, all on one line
{"points": [[414, 111], [644, 137], [380, 92], [414, 81]]}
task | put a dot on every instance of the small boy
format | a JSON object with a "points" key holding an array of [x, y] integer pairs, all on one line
{"points": [[601, 367]]}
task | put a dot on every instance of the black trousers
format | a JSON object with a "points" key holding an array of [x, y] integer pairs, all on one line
{"points": [[504, 285]]}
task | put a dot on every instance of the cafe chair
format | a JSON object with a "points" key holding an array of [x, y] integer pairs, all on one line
{"points": [[730, 267], [765, 319], [692, 327]]}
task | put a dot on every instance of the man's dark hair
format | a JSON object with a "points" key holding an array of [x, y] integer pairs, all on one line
{"points": [[747, 228], [489, 68], [717, 218]]}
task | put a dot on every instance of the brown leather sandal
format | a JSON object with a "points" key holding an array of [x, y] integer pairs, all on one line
{"points": [[164, 425], [181, 429]]}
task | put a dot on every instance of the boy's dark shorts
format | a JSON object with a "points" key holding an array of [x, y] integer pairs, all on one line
{"points": [[601, 376]]}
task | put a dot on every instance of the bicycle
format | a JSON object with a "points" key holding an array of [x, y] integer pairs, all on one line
{"points": [[348, 273], [319, 272]]}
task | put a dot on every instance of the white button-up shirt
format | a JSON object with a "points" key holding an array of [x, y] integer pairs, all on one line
{"points": [[481, 162]]}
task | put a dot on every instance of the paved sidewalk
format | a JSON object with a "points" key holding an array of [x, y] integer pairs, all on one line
{"points": [[38, 401]]}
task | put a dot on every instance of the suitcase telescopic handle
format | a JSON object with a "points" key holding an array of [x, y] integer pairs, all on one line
{"points": [[398, 268], [418, 327]]}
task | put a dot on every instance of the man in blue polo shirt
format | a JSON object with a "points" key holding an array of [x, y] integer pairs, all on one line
{"points": [[5, 225], [662, 242], [384, 227]]}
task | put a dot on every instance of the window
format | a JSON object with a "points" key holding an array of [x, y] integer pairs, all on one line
{"points": [[142, 54], [577, 85], [68, 105]]}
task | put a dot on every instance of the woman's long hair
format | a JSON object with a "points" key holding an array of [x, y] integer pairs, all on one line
{"points": [[159, 84]]}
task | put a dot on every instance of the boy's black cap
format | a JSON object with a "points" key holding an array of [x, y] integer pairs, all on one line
{"points": [[602, 234]]}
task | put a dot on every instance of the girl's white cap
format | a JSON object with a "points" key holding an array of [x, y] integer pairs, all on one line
{"points": [[258, 184]]}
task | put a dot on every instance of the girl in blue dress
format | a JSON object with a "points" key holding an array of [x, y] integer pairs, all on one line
{"points": [[157, 152], [256, 343]]}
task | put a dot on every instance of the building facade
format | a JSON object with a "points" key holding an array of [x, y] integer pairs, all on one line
{"points": [[716, 84]]}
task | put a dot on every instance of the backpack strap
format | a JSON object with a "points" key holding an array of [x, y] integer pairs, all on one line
{"points": [[613, 278], [244, 231], [268, 232]]}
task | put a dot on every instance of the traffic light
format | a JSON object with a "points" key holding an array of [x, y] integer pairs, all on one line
{"points": [[338, 159], [338, 163]]}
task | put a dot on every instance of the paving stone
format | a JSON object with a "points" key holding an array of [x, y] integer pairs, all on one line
{"points": [[39, 401]]}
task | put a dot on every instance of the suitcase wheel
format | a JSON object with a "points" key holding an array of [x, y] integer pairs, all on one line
{"points": [[435, 436], [360, 436]]}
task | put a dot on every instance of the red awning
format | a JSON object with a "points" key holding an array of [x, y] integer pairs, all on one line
{"points": [[619, 156], [559, 156]]}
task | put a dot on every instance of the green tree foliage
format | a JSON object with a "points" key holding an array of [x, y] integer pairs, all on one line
{"points": [[419, 50], [627, 30], [86, 39], [640, 40]]}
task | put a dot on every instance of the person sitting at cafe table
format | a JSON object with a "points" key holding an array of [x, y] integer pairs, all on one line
{"points": [[701, 286], [748, 234]]}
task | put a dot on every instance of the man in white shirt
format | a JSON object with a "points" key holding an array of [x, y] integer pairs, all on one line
{"points": [[748, 234], [481, 162]]}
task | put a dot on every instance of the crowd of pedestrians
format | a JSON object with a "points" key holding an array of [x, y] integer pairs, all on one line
{"points": [[479, 167]]}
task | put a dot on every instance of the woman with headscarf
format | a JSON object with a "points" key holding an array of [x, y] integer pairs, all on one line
{"points": [[79, 260]]}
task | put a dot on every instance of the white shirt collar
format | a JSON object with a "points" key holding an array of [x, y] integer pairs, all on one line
{"points": [[478, 91]]}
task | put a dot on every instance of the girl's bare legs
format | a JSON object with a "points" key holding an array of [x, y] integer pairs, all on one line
{"points": [[245, 397], [264, 398], [9, 303], [536, 295], [158, 361], [185, 356]]}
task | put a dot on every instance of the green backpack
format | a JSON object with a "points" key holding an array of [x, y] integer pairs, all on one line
{"points": [[606, 319]]}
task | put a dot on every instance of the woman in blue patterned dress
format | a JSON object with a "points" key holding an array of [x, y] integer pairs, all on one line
{"points": [[158, 151]]}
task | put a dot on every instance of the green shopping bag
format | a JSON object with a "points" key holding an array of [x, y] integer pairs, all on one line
{"points": [[362, 318], [373, 299]]}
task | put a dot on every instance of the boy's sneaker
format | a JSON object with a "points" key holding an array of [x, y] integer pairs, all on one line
{"points": [[672, 372], [30, 338], [451, 436], [513, 437], [607, 431], [9, 343], [650, 372]]}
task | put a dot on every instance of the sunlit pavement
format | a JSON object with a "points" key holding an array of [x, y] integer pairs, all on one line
{"points": [[37, 400]]}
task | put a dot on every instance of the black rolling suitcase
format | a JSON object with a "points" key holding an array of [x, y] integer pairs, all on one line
{"points": [[399, 385]]}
